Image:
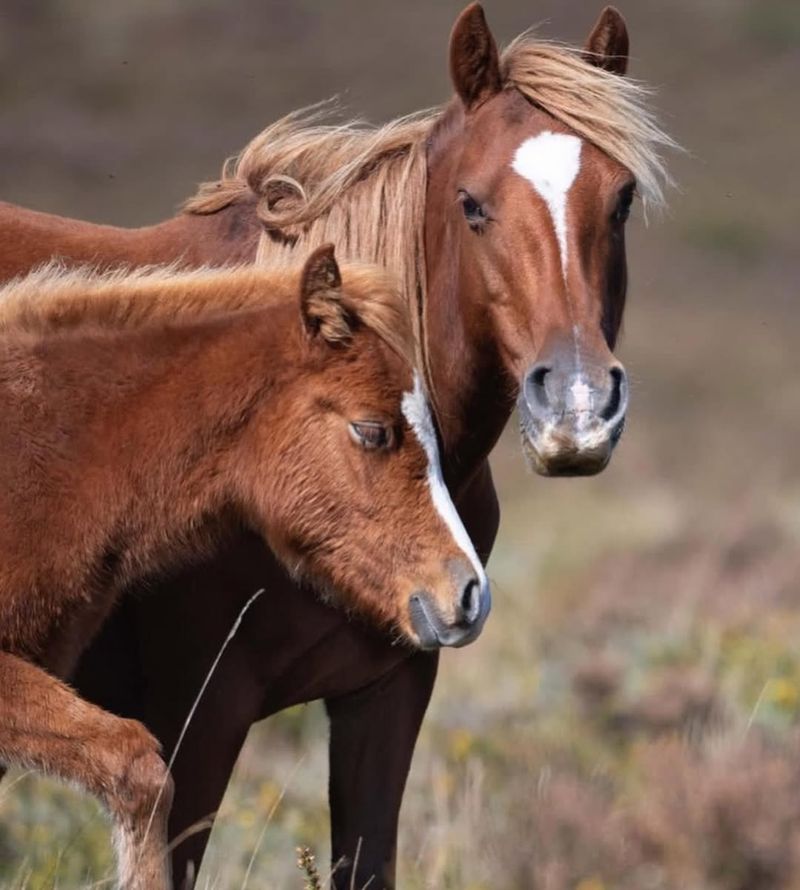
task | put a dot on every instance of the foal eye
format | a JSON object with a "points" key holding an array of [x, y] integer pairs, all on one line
{"points": [[473, 212], [371, 435]]}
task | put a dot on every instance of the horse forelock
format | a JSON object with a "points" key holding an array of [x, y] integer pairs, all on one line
{"points": [[610, 111]]}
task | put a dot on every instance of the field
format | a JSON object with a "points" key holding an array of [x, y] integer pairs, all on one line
{"points": [[630, 718]]}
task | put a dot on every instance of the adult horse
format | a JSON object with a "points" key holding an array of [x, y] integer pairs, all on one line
{"points": [[504, 213]]}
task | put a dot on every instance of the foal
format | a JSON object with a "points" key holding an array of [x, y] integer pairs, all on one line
{"points": [[144, 415]]}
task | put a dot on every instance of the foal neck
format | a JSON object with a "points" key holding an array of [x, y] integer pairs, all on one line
{"points": [[166, 408]]}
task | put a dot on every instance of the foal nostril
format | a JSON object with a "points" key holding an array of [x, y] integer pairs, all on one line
{"points": [[537, 391], [470, 604], [617, 398]]}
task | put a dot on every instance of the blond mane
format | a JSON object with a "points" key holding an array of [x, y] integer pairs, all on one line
{"points": [[52, 299], [363, 188], [359, 187]]}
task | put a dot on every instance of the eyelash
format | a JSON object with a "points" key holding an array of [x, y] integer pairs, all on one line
{"points": [[474, 213], [477, 218], [623, 208], [372, 436]]}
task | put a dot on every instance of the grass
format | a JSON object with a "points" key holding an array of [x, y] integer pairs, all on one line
{"points": [[307, 863]]}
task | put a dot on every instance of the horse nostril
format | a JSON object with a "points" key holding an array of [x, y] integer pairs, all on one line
{"points": [[616, 398], [538, 374], [537, 391], [470, 604]]}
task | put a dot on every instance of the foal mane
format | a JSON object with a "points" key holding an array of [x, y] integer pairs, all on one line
{"points": [[53, 299], [363, 187]]}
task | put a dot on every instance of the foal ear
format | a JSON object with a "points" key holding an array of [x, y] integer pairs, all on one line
{"points": [[607, 46], [474, 64], [321, 307]]}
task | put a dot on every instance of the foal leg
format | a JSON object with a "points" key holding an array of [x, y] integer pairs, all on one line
{"points": [[373, 734], [45, 726]]}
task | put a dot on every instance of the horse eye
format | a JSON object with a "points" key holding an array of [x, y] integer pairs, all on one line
{"points": [[371, 435], [473, 212], [623, 209]]}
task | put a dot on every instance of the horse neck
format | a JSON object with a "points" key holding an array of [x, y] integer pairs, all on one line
{"points": [[470, 388], [471, 391], [30, 239]]}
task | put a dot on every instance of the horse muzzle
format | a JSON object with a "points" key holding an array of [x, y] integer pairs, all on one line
{"points": [[572, 418]]}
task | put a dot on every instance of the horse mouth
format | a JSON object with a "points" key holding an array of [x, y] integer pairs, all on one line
{"points": [[574, 446]]}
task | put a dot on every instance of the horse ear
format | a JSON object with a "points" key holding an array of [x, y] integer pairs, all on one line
{"points": [[321, 307], [607, 46], [474, 63]]}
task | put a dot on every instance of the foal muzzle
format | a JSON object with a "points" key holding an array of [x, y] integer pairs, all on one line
{"points": [[457, 621]]}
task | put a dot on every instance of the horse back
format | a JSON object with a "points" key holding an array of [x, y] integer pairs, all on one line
{"points": [[29, 238]]}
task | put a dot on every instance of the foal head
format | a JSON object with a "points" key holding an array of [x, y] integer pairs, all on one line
{"points": [[534, 221], [360, 495]]}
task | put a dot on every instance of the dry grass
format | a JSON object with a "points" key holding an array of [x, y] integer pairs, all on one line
{"points": [[307, 863]]}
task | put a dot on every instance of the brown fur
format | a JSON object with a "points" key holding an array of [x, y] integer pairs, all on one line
{"points": [[144, 415], [607, 46], [474, 64]]}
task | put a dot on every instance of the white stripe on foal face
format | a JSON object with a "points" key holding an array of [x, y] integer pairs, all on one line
{"points": [[550, 162], [417, 413]]}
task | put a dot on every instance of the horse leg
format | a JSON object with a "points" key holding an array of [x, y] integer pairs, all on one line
{"points": [[180, 632], [373, 733], [44, 725], [207, 756], [109, 671]]}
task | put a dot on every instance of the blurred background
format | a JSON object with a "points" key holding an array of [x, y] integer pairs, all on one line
{"points": [[631, 716]]}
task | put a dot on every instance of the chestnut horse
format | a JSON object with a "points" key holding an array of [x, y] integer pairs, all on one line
{"points": [[137, 430], [504, 214]]}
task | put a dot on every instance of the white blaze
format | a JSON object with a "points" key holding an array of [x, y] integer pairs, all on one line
{"points": [[417, 413], [550, 162]]}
